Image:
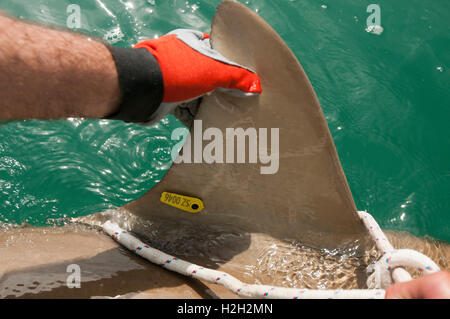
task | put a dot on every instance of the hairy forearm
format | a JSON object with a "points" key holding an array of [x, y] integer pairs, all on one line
{"points": [[46, 73]]}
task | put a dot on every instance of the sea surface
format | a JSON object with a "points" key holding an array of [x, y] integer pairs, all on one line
{"points": [[385, 96]]}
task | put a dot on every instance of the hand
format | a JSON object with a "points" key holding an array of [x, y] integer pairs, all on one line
{"points": [[191, 68], [434, 286]]}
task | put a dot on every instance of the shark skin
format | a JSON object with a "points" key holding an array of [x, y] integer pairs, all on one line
{"points": [[308, 198], [35, 259]]}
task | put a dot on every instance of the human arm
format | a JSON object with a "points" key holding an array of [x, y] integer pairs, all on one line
{"points": [[46, 73]]}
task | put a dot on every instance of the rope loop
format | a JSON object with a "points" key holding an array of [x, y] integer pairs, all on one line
{"points": [[381, 278], [386, 271]]}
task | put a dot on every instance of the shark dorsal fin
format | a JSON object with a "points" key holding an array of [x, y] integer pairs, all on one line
{"points": [[308, 198]]}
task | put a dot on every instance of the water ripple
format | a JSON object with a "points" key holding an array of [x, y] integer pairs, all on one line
{"points": [[76, 167]]}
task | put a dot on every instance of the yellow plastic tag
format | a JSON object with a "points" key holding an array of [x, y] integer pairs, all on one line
{"points": [[186, 203]]}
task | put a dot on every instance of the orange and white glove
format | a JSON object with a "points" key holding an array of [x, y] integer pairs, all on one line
{"points": [[190, 67], [159, 74]]}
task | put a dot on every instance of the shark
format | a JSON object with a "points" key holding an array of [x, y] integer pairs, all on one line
{"points": [[247, 216], [308, 197]]}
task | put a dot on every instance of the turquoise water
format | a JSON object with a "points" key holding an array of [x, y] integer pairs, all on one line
{"points": [[385, 97]]}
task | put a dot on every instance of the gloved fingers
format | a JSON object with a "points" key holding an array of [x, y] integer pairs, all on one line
{"points": [[191, 68], [239, 82], [238, 93], [185, 33], [238, 79], [199, 41]]}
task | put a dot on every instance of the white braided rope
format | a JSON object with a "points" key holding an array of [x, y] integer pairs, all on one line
{"points": [[398, 274], [231, 283], [386, 271]]}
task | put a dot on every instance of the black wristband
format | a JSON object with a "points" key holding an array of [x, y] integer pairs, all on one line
{"points": [[141, 84]]}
